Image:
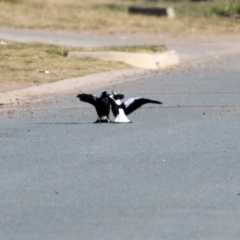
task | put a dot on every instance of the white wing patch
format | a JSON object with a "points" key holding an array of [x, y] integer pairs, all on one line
{"points": [[121, 117], [130, 101]]}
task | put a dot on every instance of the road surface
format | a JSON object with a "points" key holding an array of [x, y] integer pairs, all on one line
{"points": [[172, 174]]}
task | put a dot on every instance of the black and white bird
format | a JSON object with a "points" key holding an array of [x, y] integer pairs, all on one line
{"points": [[101, 104], [121, 110], [117, 97]]}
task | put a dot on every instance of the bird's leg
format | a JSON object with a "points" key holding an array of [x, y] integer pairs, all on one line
{"points": [[98, 120], [109, 119], [103, 119]]}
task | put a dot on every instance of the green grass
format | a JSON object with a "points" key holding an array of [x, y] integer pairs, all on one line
{"points": [[136, 48], [128, 48], [196, 10], [226, 10], [193, 9]]}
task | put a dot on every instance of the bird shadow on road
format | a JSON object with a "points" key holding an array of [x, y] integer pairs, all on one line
{"points": [[64, 123], [75, 123]]}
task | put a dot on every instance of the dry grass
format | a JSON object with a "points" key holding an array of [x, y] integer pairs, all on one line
{"points": [[111, 16], [21, 63]]}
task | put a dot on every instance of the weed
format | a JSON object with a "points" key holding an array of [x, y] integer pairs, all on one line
{"points": [[55, 51], [226, 10], [135, 48]]}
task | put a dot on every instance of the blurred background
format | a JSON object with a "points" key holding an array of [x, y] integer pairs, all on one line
{"points": [[112, 16], [105, 23]]}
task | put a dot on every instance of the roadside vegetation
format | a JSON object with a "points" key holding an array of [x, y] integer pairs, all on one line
{"points": [[35, 64], [26, 63], [111, 16], [134, 48], [39, 63]]}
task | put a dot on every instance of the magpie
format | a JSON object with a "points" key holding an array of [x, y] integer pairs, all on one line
{"points": [[121, 110], [102, 104]]}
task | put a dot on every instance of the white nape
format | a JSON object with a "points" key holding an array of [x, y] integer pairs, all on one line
{"points": [[121, 117], [118, 102]]}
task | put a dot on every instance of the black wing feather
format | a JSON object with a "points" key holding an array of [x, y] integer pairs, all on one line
{"points": [[114, 107], [137, 103], [89, 98]]}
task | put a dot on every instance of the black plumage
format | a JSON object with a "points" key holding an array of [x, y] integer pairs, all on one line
{"points": [[102, 104]]}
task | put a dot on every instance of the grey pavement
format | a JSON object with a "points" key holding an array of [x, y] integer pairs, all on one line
{"points": [[192, 50], [172, 174], [68, 38]]}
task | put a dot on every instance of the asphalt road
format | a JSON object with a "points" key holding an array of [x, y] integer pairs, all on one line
{"points": [[195, 47], [172, 174]]}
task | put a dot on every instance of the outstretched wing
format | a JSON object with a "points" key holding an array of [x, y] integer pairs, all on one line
{"points": [[134, 103], [89, 98]]}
